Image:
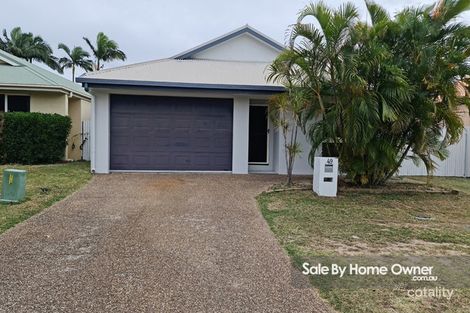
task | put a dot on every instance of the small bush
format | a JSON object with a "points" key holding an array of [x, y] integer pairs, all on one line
{"points": [[34, 138]]}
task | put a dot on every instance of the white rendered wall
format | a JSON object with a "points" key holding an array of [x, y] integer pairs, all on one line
{"points": [[301, 164], [242, 48], [100, 133], [241, 113]]}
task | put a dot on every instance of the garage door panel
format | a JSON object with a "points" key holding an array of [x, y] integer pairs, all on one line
{"points": [[120, 159], [161, 159], [202, 159], [159, 143], [201, 124], [171, 133]]}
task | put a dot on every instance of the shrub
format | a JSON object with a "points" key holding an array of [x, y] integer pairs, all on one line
{"points": [[34, 138], [380, 91]]}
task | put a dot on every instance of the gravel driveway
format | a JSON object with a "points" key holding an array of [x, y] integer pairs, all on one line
{"points": [[152, 243]]}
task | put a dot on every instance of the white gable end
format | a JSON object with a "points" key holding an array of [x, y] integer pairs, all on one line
{"points": [[244, 47]]}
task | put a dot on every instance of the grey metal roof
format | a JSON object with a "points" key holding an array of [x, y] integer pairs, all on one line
{"points": [[184, 72], [17, 73], [195, 74]]}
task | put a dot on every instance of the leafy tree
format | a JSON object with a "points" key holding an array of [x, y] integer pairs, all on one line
{"points": [[104, 50], [77, 57], [286, 112], [382, 91], [29, 47], [433, 50]]}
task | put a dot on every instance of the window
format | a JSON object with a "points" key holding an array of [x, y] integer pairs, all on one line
{"points": [[2, 103], [18, 103]]}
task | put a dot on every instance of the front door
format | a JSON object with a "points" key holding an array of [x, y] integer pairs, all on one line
{"points": [[258, 135]]}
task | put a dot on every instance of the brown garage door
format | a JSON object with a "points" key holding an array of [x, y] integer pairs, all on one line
{"points": [[170, 133]]}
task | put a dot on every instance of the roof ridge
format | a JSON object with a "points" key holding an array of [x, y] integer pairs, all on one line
{"points": [[32, 70], [122, 67], [220, 61], [227, 36], [56, 79], [8, 61], [12, 58], [133, 65], [139, 64]]}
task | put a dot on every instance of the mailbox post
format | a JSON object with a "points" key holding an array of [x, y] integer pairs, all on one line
{"points": [[325, 176]]}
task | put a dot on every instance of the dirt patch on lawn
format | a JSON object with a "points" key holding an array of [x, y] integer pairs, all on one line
{"points": [[412, 248], [396, 188]]}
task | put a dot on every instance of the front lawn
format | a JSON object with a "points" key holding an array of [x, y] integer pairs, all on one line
{"points": [[398, 221], [45, 185], [458, 183]]}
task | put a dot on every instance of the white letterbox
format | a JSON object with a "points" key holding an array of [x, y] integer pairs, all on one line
{"points": [[325, 176]]}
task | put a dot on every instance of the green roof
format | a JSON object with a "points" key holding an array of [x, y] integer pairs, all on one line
{"points": [[18, 73]]}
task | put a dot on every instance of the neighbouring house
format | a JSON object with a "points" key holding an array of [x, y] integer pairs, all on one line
{"points": [[204, 109], [26, 87]]}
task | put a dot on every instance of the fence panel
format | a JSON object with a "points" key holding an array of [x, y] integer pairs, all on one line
{"points": [[85, 145], [457, 164]]}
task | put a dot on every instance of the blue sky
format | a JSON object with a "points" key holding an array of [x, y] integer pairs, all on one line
{"points": [[149, 30]]}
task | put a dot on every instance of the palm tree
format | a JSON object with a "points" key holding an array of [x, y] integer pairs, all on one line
{"points": [[28, 47], [104, 50], [379, 91], [77, 57]]}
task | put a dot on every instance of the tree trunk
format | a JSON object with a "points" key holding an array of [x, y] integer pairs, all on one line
{"points": [[73, 73], [397, 167], [289, 176]]}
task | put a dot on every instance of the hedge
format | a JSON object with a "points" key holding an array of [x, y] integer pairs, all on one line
{"points": [[33, 138]]}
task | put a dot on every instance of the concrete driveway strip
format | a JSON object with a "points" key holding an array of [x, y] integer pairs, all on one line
{"points": [[152, 243]]}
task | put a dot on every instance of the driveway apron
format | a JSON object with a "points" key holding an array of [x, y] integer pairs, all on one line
{"points": [[153, 243]]}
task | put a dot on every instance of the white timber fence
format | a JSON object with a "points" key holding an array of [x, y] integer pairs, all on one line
{"points": [[85, 142], [457, 164]]}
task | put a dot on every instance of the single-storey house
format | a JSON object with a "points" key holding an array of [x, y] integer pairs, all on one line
{"points": [[26, 87], [204, 109]]}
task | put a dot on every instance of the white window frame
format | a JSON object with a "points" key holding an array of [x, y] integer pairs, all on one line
{"points": [[6, 95]]}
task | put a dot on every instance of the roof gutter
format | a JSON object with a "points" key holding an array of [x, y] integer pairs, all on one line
{"points": [[43, 88], [117, 83]]}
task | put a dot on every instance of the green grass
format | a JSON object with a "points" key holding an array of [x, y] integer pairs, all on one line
{"points": [[45, 185], [359, 223]]}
